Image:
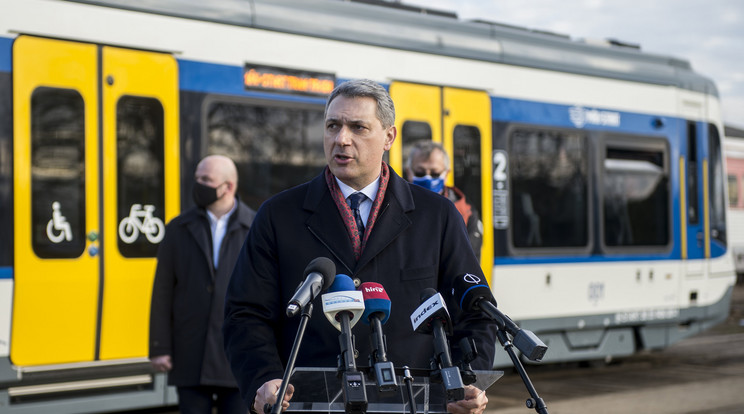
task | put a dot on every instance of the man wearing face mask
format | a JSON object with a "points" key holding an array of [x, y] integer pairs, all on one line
{"points": [[195, 261], [428, 166]]}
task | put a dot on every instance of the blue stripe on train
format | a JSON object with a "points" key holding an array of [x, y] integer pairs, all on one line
{"points": [[228, 80], [6, 272], [582, 117], [6, 48]]}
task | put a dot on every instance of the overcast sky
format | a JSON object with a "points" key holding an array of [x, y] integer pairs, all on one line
{"points": [[708, 33]]}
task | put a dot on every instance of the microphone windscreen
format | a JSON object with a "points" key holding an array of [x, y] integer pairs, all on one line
{"points": [[376, 300], [342, 297], [432, 308], [325, 267], [426, 294], [342, 282], [469, 289]]}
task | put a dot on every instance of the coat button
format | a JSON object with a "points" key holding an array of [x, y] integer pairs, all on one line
{"points": [[357, 282]]}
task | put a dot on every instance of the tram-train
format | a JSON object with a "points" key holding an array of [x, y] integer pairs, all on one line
{"points": [[734, 153], [597, 169]]}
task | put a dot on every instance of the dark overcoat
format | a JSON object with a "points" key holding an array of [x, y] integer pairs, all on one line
{"points": [[418, 241], [188, 297]]}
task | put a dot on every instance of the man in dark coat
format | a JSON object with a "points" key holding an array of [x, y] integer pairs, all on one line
{"points": [[409, 239], [195, 261]]}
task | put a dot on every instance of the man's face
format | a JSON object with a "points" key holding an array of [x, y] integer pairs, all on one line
{"points": [[433, 166], [354, 140], [208, 173]]}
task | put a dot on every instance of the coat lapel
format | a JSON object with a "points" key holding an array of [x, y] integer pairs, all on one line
{"points": [[391, 221], [198, 230], [326, 224], [330, 229]]}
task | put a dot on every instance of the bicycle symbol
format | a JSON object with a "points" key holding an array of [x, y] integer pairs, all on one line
{"points": [[60, 224], [141, 220]]}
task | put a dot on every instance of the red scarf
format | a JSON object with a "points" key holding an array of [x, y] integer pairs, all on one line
{"points": [[348, 217]]}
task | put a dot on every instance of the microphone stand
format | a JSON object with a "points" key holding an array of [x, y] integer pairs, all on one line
{"points": [[408, 379], [535, 402], [352, 381], [307, 312]]}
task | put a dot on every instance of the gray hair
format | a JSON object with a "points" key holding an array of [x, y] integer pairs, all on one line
{"points": [[425, 147], [365, 88]]}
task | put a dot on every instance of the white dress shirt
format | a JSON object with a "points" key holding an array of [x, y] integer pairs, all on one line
{"points": [[218, 226], [370, 191]]}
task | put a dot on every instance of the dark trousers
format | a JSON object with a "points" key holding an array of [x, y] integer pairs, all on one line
{"points": [[201, 399]]}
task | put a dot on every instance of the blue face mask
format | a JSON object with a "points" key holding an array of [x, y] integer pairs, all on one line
{"points": [[434, 184]]}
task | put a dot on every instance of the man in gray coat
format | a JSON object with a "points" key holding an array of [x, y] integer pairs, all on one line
{"points": [[195, 261]]}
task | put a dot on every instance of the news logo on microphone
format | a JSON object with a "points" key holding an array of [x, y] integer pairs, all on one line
{"points": [[376, 302], [342, 297], [430, 309]]}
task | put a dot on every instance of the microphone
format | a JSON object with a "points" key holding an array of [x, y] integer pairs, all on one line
{"points": [[475, 295], [432, 317], [319, 274], [344, 306], [343, 300], [376, 313]]}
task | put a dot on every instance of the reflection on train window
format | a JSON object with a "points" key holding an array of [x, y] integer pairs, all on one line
{"points": [[57, 173], [274, 147], [549, 203], [410, 133], [635, 197], [466, 163], [716, 193], [733, 191], [692, 173], [140, 176]]}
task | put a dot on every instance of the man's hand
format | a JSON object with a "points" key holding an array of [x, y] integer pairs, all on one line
{"points": [[161, 363], [267, 395], [474, 403]]}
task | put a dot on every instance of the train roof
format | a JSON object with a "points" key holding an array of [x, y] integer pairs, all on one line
{"points": [[416, 29]]}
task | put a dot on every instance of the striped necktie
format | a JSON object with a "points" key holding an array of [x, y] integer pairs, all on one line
{"points": [[354, 200]]}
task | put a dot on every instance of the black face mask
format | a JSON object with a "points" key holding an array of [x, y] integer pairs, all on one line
{"points": [[204, 195]]}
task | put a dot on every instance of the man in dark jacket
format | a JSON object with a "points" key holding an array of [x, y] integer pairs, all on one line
{"points": [[195, 261], [428, 166], [404, 237]]}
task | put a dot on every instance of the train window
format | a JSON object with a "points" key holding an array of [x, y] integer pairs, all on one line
{"points": [[140, 175], [692, 173], [412, 132], [275, 147], [466, 162], [635, 196], [716, 188], [549, 203], [6, 175], [733, 190], [57, 173]]}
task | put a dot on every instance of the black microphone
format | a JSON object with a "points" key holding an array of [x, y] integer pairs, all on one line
{"points": [[432, 317], [320, 273], [376, 313], [475, 295]]}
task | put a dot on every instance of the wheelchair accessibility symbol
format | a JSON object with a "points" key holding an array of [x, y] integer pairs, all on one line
{"points": [[141, 220], [58, 228]]}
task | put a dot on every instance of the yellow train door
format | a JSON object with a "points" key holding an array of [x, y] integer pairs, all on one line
{"points": [[69, 261], [55, 299], [460, 120], [140, 189]]}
